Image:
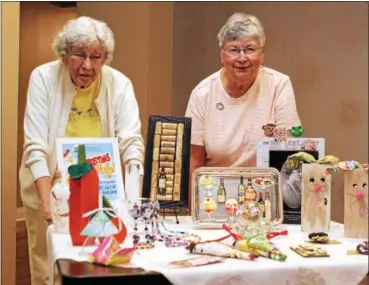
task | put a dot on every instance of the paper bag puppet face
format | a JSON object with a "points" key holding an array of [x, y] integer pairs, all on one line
{"points": [[356, 203], [316, 198]]}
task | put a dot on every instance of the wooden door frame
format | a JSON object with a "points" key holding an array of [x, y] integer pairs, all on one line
{"points": [[10, 16]]}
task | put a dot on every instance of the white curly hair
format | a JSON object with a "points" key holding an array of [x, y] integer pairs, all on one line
{"points": [[84, 31], [240, 26]]}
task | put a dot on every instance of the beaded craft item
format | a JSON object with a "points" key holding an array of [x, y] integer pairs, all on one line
{"points": [[147, 211]]}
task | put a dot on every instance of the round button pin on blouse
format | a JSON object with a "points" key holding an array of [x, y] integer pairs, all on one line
{"points": [[220, 106]]}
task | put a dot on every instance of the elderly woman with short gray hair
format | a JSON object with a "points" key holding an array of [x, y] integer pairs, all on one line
{"points": [[229, 108], [75, 96]]}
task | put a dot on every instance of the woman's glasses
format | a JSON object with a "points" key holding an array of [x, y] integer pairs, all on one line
{"points": [[235, 51], [80, 57]]}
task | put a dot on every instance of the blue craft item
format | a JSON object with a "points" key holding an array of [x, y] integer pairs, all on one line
{"points": [[100, 225]]}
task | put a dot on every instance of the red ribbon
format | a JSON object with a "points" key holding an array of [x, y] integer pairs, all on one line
{"points": [[274, 234], [231, 234]]}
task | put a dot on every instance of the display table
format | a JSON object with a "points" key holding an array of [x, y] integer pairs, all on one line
{"points": [[337, 269]]}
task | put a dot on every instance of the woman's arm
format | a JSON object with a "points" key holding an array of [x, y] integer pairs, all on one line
{"points": [[128, 127], [36, 137], [195, 110]]}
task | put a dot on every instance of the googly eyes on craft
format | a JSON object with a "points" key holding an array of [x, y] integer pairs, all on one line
{"points": [[354, 185], [322, 179], [312, 180]]}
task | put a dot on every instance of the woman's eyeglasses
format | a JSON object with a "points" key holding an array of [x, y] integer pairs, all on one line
{"points": [[235, 51], [95, 59]]}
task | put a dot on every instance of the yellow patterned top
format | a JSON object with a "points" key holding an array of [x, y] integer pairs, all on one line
{"points": [[84, 119]]}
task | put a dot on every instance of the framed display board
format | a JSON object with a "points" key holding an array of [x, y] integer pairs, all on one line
{"points": [[216, 189], [271, 153], [167, 160]]}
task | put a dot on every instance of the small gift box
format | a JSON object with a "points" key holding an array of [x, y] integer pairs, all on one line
{"points": [[315, 191]]}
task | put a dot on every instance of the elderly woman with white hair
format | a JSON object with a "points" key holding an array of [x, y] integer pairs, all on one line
{"points": [[75, 96], [229, 108]]}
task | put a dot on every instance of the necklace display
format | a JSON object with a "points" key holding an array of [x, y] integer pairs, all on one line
{"points": [[155, 229]]}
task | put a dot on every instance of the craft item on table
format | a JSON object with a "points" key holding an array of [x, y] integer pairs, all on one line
{"points": [[318, 238], [315, 191], [261, 183], [59, 204], [296, 131], [281, 134], [321, 238], [84, 195], [144, 210], [175, 238], [355, 197], [102, 224], [147, 211], [215, 248], [269, 130], [309, 251], [207, 184], [109, 252], [259, 245], [196, 261], [208, 205], [231, 207], [363, 248]]}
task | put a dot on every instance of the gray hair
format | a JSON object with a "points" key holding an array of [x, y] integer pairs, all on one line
{"points": [[84, 31], [240, 26]]}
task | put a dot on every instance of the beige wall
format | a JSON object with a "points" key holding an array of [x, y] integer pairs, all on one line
{"points": [[323, 47], [143, 34], [9, 103], [39, 24]]}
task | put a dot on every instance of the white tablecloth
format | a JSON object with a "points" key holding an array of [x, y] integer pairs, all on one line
{"points": [[337, 269]]}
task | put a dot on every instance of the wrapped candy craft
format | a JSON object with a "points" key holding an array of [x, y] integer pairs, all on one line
{"points": [[219, 249]]}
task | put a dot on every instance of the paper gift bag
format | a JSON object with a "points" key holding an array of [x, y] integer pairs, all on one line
{"points": [[84, 195], [315, 190], [315, 198], [356, 203], [355, 197]]}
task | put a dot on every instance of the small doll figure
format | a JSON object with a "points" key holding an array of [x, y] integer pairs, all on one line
{"points": [[209, 206]]}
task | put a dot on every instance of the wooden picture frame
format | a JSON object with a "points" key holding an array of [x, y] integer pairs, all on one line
{"points": [[168, 146]]}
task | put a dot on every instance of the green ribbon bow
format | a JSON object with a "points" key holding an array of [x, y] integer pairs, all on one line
{"points": [[77, 171]]}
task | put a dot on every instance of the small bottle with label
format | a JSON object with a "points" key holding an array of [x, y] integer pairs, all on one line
{"points": [[268, 208], [161, 182], [250, 193], [241, 191], [221, 194], [261, 203]]}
